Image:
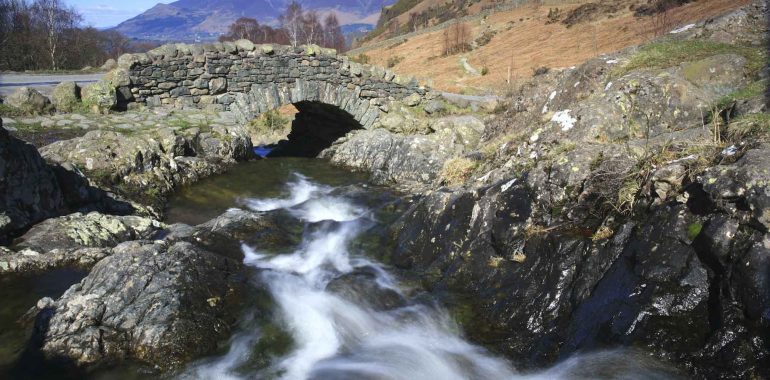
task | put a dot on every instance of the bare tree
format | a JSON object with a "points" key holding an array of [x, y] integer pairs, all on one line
{"points": [[55, 20], [456, 39], [291, 22], [333, 33], [311, 28]]}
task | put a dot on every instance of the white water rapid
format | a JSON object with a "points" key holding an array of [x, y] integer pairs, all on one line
{"points": [[339, 338]]}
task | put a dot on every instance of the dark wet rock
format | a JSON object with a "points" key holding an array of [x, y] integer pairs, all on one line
{"points": [[745, 183], [360, 286], [687, 285], [29, 191], [157, 303], [227, 233]]}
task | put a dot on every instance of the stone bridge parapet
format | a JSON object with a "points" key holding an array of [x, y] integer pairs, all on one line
{"points": [[249, 79]]}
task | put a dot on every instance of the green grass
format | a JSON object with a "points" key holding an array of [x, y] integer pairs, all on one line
{"points": [[669, 53], [8, 111], [753, 90], [693, 230]]}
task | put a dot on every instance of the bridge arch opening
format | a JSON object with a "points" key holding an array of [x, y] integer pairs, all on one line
{"points": [[316, 126]]}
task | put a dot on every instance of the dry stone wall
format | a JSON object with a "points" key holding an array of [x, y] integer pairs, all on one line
{"points": [[249, 79]]}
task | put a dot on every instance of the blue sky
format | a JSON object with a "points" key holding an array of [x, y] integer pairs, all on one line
{"points": [[103, 13]]}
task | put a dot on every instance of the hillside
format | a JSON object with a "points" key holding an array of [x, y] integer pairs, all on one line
{"points": [[523, 39], [186, 20]]}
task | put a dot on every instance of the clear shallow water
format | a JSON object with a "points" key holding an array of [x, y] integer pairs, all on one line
{"points": [[266, 178]]}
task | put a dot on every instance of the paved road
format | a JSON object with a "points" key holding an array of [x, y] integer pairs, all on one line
{"points": [[44, 83]]}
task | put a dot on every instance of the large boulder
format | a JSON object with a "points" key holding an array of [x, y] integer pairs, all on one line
{"points": [[100, 96], [29, 101], [146, 165], [156, 303], [29, 191], [65, 96], [109, 65], [391, 158], [545, 292]]}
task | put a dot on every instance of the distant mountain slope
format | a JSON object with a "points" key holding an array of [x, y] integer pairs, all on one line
{"points": [[185, 20]]}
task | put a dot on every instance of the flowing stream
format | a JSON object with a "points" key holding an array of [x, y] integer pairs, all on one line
{"points": [[321, 304], [346, 337], [342, 315]]}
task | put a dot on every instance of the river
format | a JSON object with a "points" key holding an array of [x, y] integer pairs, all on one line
{"points": [[326, 306]]}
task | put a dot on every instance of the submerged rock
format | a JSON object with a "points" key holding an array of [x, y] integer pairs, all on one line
{"points": [[361, 287], [227, 233], [156, 303]]}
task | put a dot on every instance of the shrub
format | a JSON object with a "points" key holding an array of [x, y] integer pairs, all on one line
{"points": [[269, 121], [361, 58], [394, 60], [542, 70]]}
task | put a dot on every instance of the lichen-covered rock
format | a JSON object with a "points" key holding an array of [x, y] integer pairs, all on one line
{"points": [[145, 166], [109, 65], [155, 303], [392, 158], [90, 230], [100, 96], [28, 101], [28, 261], [65, 96], [719, 74], [29, 190]]}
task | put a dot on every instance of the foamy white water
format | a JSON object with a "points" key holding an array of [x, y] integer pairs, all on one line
{"points": [[337, 338]]}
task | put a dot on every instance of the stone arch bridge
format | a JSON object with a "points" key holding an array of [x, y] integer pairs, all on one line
{"points": [[249, 79]]}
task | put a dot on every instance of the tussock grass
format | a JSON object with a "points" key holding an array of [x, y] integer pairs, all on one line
{"points": [[755, 126], [669, 53], [457, 170]]}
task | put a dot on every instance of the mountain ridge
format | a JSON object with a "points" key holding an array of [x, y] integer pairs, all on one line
{"points": [[191, 20]]}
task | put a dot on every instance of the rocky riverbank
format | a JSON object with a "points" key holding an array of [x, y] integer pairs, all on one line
{"points": [[622, 202]]}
